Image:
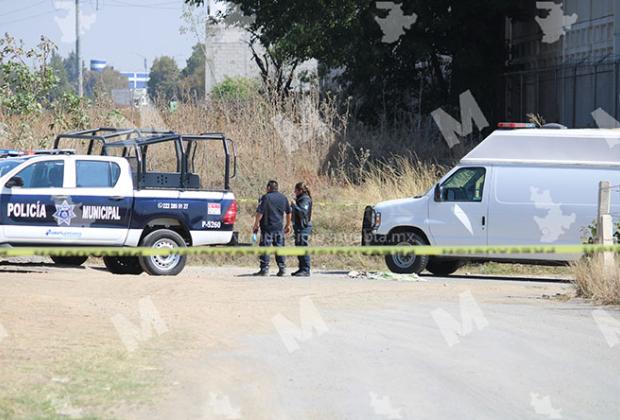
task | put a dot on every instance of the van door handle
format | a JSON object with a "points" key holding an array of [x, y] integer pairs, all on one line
{"points": [[484, 221]]}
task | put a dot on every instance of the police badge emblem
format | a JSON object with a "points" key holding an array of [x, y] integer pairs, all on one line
{"points": [[64, 213]]}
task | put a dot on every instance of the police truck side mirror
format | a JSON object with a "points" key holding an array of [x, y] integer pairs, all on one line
{"points": [[16, 181], [437, 192]]}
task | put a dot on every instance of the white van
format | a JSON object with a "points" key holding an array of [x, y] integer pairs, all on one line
{"points": [[517, 187]]}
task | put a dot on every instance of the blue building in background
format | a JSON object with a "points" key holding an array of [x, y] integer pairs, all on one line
{"points": [[135, 94]]}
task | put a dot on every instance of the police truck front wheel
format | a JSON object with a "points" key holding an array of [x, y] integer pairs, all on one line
{"points": [[406, 263], [163, 265], [123, 265], [71, 261]]}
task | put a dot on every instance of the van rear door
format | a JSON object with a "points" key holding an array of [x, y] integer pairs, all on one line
{"points": [[457, 214]]}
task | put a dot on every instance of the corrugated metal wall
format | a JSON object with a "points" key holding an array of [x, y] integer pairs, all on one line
{"points": [[565, 81], [567, 94]]}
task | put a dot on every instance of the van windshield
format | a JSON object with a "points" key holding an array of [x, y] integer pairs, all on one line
{"points": [[466, 184]]}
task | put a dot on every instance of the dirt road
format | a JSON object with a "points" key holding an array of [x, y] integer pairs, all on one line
{"points": [[216, 343]]}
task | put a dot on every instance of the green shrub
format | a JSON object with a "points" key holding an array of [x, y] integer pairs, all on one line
{"points": [[237, 88]]}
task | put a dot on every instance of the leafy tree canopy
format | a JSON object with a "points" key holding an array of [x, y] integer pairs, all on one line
{"points": [[103, 82], [164, 78], [453, 45], [192, 81]]}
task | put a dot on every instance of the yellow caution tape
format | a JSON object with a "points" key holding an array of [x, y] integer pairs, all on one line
{"points": [[299, 251], [314, 203]]}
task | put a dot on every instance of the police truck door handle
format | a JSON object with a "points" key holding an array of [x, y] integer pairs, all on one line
{"points": [[60, 197], [117, 198]]}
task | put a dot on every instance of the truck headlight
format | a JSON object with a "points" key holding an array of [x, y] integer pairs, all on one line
{"points": [[377, 219]]}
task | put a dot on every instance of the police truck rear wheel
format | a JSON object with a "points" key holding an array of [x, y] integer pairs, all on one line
{"points": [[72, 261], [163, 265], [406, 264], [123, 265]]}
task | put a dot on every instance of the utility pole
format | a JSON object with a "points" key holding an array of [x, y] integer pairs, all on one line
{"points": [[78, 55], [604, 225], [208, 6]]}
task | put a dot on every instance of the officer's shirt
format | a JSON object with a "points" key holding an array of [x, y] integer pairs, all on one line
{"points": [[273, 206]]}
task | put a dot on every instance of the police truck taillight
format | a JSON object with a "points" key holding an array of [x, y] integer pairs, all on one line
{"points": [[231, 214]]}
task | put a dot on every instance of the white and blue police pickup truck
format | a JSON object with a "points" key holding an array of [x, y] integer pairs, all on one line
{"points": [[103, 200]]}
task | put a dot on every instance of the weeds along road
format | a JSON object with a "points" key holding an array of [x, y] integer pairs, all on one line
{"points": [[215, 343]]}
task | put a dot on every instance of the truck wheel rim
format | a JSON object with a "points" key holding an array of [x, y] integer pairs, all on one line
{"points": [[404, 261], [165, 262]]}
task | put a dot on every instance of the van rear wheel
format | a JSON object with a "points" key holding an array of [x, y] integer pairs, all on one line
{"points": [[442, 267], [71, 261], [123, 265], [406, 264], [163, 265]]}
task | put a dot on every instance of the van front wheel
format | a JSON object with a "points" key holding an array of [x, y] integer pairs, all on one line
{"points": [[406, 264], [442, 267]]}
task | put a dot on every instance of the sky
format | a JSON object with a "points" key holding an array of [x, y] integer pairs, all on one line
{"points": [[121, 32]]}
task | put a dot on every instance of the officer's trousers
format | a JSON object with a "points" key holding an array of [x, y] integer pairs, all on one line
{"points": [[302, 238], [272, 239]]}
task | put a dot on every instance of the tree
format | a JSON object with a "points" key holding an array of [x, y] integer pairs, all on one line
{"points": [[456, 45], [101, 83], [164, 78], [276, 63], [26, 77], [62, 78], [71, 69], [192, 81]]}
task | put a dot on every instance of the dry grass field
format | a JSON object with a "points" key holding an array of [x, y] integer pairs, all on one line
{"points": [[346, 164]]}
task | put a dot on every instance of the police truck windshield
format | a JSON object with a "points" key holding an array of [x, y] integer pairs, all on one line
{"points": [[7, 165]]}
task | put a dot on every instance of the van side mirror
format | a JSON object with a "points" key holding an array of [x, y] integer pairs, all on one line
{"points": [[438, 193], [16, 181]]}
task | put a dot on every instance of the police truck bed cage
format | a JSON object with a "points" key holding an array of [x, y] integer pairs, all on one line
{"points": [[134, 145], [101, 135]]}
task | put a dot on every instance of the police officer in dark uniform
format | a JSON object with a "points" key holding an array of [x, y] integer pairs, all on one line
{"points": [[302, 225], [272, 209]]}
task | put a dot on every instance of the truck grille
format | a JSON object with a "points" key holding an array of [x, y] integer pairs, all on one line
{"points": [[369, 218]]}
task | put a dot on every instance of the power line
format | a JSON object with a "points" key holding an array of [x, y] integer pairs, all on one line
{"points": [[21, 9], [119, 3], [27, 17], [141, 7], [166, 3]]}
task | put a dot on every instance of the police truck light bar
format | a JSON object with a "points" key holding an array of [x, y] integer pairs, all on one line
{"points": [[510, 125]]}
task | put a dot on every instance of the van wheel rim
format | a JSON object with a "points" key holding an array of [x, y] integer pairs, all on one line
{"points": [[404, 261], [165, 262]]}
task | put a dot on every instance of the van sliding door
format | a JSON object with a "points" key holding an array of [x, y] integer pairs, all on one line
{"points": [[546, 205]]}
